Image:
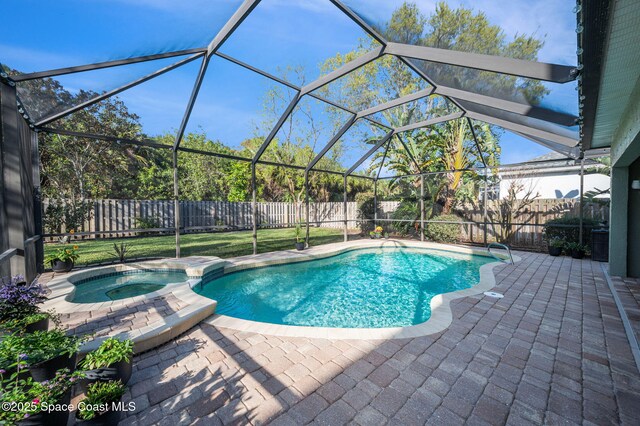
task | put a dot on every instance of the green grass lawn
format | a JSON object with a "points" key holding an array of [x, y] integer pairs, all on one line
{"points": [[221, 244]]}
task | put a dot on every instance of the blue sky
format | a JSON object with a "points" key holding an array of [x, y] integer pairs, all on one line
{"points": [[278, 33]]}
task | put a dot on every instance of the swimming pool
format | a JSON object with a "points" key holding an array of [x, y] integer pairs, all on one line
{"points": [[364, 288], [124, 284]]}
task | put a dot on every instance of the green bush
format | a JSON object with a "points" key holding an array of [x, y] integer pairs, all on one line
{"points": [[366, 211], [567, 229], [405, 216], [443, 232]]}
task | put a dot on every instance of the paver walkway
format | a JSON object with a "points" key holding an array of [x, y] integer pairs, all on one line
{"points": [[552, 351]]}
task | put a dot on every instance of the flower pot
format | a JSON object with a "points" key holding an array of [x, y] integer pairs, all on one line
{"points": [[42, 325], [60, 266], [50, 418], [555, 251], [577, 254], [46, 370], [299, 246], [117, 371], [107, 418]]}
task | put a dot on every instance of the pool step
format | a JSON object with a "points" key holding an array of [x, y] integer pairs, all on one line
{"points": [[161, 331]]}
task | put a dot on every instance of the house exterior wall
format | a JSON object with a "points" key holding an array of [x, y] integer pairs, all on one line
{"points": [[633, 222], [624, 234], [556, 185]]}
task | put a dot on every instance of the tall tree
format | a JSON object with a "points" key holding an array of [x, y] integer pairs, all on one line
{"points": [[448, 146]]}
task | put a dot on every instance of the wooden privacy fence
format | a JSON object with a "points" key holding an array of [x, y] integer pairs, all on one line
{"points": [[526, 230], [116, 218]]}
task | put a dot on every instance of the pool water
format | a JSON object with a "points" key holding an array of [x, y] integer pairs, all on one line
{"points": [[368, 288], [125, 284]]}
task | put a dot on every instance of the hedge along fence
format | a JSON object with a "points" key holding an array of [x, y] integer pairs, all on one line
{"points": [[117, 218]]}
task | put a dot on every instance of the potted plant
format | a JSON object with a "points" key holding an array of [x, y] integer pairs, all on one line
{"points": [[62, 259], [576, 250], [555, 246], [42, 352], [19, 309], [99, 407], [299, 238], [378, 232], [31, 401], [111, 361]]}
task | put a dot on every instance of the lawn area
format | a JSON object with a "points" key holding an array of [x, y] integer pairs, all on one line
{"points": [[221, 244]]}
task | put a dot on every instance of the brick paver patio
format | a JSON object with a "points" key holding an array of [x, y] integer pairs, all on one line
{"points": [[552, 351], [128, 317]]}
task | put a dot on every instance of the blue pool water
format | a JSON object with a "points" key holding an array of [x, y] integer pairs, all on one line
{"points": [[362, 288], [125, 284]]}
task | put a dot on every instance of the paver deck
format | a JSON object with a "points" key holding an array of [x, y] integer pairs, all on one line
{"points": [[552, 351]]}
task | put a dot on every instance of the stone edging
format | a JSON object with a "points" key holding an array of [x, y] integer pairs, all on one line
{"points": [[441, 315]]}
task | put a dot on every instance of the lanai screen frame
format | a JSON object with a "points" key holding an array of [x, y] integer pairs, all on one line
{"points": [[545, 129]]}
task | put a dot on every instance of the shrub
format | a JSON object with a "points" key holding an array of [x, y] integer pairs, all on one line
{"points": [[366, 211], [99, 399], [18, 299], [405, 216], [443, 232], [121, 250], [110, 352], [30, 397], [63, 254], [37, 347], [568, 229]]}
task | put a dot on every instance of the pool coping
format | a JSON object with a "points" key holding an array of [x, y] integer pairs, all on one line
{"points": [[202, 309], [441, 315]]}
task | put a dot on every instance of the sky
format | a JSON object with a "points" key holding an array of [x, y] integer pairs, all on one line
{"points": [[277, 34]]}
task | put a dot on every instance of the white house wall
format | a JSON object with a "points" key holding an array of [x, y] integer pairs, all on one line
{"points": [[552, 186]]}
